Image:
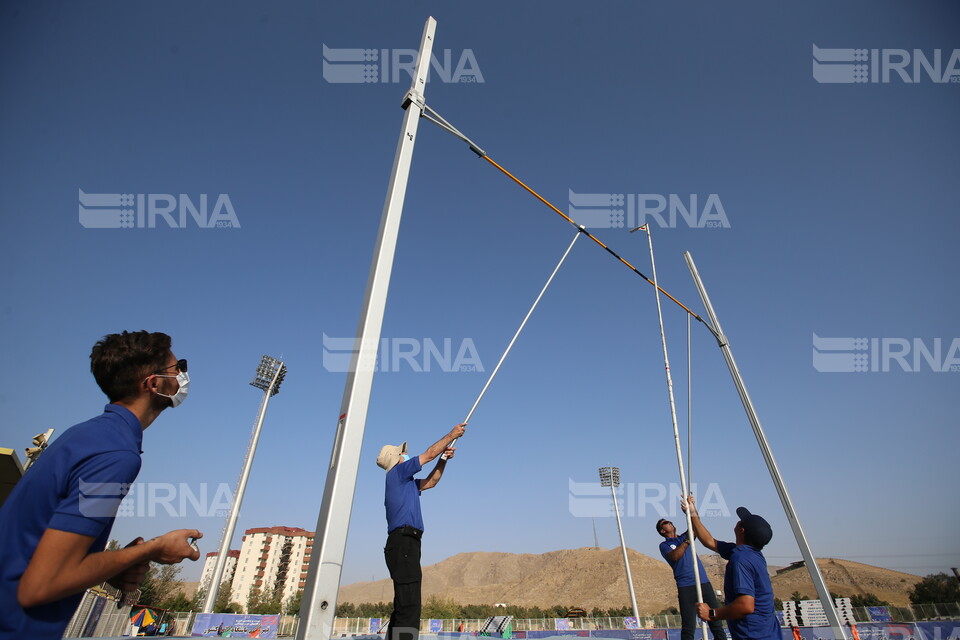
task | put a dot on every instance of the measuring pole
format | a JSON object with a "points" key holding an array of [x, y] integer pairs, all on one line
{"points": [[329, 543], [691, 539], [819, 584]]}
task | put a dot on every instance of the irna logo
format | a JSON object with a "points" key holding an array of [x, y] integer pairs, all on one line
{"points": [[150, 210]]}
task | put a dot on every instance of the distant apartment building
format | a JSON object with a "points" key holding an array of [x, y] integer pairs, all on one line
{"points": [[211, 562], [274, 559]]}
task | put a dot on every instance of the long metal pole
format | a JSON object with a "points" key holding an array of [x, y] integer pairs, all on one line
{"points": [[818, 582], [211, 597], [329, 545], [626, 560], [676, 431], [519, 329]]}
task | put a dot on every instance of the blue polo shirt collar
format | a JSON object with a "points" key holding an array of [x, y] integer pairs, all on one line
{"points": [[132, 421]]}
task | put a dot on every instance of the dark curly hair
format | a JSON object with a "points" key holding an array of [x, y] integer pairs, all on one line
{"points": [[120, 361]]}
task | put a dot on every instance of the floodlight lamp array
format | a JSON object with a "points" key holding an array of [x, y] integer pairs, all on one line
{"points": [[266, 371], [609, 476]]}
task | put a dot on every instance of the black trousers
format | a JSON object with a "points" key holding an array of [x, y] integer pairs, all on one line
{"points": [[688, 611], [402, 554]]}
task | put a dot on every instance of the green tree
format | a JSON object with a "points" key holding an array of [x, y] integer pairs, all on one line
{"points": [[292, 605], [178, 602], [160, 583], [867, 600], [797, 597], [437, 607], [263, 602], [669, 611], [222, 604], [934, 589]]}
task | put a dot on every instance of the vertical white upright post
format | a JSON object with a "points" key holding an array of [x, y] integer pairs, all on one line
{"points": [[329, 543], [810, 560]]}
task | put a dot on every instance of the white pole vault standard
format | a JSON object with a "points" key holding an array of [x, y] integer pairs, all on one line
{"points": [[329, 544], [522, 324], [810, 560], [676, 430]]}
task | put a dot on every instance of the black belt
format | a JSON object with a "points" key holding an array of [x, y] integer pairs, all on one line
{"points": [[407, 529]]}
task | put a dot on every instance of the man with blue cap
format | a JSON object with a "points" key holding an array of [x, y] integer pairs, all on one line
{"points": [[748, 609]]}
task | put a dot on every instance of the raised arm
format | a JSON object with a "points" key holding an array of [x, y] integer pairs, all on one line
{"points": [[434, 476], [699, 530], [441, 445]]}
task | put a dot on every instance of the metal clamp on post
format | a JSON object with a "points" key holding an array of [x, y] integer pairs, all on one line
{"points": [[414, 97]]}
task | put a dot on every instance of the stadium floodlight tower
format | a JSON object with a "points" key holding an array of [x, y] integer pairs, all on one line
{"points": [[610, 477], [270, 373]]}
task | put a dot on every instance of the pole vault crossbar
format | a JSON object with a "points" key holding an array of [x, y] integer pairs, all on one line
{"points": [[437, 119], [818, 582], [330, 539]]}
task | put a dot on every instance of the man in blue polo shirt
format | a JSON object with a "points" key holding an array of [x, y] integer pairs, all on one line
{"points": [[405, 526], [676, 551], [56, 522], [748, 608]]}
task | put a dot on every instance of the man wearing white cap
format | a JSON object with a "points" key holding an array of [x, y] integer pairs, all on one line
{"points": [[748, 609], [405, 526]]}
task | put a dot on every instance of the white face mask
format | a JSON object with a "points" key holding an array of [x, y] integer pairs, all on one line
{"points": [[181, 393]]}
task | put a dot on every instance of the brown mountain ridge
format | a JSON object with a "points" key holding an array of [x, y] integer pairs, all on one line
{"points": [[592, 577]]}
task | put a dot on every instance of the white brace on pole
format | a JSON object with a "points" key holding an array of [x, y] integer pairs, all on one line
{"points": [[839, 632], [329, 543]]}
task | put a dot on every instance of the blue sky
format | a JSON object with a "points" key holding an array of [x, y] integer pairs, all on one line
{"points": [[841, 200]]}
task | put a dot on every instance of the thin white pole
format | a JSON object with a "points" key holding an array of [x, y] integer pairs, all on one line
{"points": [[519, 329], [676, 430], [839, 631], [626, 560]]}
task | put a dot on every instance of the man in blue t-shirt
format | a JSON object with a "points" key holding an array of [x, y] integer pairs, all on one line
{"points": [[676, 551], [405, 526], [748, 608], [56, 522]]}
